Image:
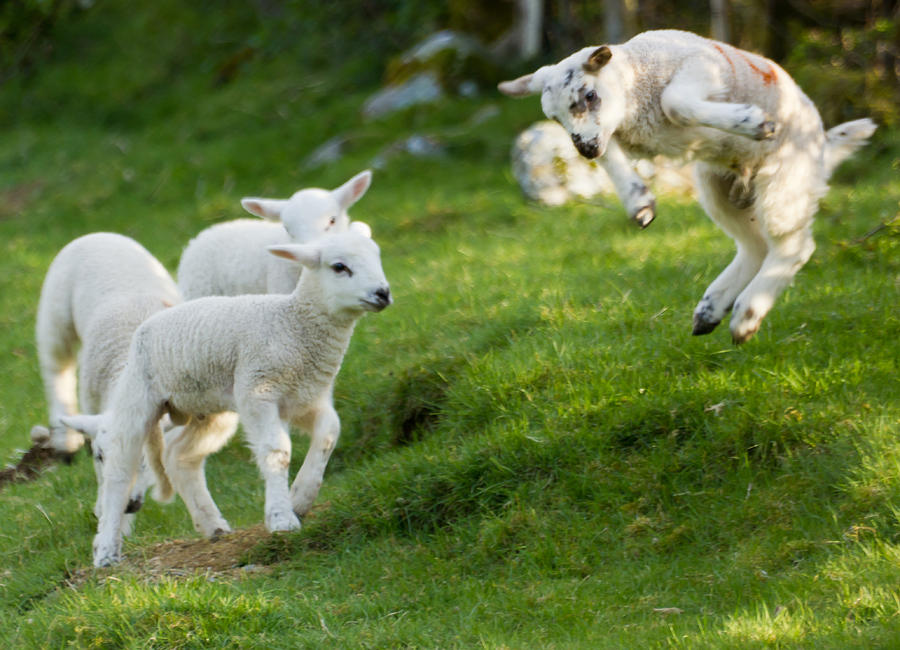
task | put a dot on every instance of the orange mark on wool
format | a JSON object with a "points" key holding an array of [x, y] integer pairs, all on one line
{"points": [[768, 76]]}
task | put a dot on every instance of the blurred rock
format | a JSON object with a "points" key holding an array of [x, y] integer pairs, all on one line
{"points": [[549, 169], [328, 152], [445, 63], [418, 89], [420, 146]]}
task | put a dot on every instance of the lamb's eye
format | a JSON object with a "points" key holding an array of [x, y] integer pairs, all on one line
{"points": [[339, 267], [590, 95]]}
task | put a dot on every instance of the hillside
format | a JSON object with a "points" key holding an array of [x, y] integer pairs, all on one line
{"points": [[535, 452]]}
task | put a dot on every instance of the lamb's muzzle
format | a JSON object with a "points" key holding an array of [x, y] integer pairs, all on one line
{"points": [[380, 299], [587, 148]]}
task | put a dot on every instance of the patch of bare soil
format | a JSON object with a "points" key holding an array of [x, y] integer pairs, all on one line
{"points": [[14, 199], [29, 466], [214, 558]]}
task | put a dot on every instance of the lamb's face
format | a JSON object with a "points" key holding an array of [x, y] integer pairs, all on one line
{"points": [[580, 92], [351, 274], [311, 213], [347, 270]]}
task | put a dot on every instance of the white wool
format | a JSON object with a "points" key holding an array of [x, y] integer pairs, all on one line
{"points": [[762, 158], [97, 291], [230, 258], [272, 359]]}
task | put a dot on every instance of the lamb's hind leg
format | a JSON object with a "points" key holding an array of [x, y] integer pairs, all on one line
{"points": [[714, 190], [686, 101], [184, 459], [57, 340], [787, 254], [326, 428]]}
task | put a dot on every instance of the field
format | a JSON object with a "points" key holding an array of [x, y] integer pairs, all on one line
{"points": [[535, 452]]}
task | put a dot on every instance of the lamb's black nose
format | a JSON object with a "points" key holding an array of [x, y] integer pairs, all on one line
{"points": [[384, 296], [587, 148]]}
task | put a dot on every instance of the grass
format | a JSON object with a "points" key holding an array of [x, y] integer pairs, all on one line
{"points": [[534, 453]]}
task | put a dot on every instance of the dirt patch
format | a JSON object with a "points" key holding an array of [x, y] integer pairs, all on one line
{"points": [[15, 199], [222, 557], [29, 466]]}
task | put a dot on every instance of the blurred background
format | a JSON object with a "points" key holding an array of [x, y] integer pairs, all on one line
{"points": [[844, 53]]}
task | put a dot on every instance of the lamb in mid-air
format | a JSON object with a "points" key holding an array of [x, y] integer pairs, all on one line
{"points": [[762, 156], [272, 359], [230, 258]]}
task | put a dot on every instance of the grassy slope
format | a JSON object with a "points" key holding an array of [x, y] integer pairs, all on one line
{"points": [[534, 451]]}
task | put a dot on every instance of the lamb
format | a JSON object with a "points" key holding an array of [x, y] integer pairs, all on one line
{"points": [[763, 157], [229, 259], [272, 359], [97, 291]]}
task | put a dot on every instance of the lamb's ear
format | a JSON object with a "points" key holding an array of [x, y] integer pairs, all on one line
{"points": [[362, 228], [266, 208], [306, 254], [598, 58], [520, 87], [351, 191], [89, 425]]}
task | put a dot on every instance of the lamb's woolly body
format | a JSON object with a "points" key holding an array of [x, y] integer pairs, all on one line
{"points": [[230, 259], [270, 358], [97, 292], [762, 157]]}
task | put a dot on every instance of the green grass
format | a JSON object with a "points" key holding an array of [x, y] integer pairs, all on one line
{"points": [[534, 452]]}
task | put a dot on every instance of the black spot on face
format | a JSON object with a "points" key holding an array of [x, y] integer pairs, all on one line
{"points": [[569, 74]]}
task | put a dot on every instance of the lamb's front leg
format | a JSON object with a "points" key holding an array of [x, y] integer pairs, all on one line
{"points": [[685, 101], [639, 202], [325, 431], [122, 446], [271, 445]]}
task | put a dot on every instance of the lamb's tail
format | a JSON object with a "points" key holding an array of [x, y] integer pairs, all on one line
{"points": [[843, 140], [162, 490]]}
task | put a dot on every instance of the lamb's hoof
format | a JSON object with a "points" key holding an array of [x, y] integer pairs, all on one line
{"points": [[645, 215], [766, 130], [704, 321], [106, 555], [134, 504], [40, 435], [743, 330], [282, 521], [743, 336], [218, 534], [702, 327]]}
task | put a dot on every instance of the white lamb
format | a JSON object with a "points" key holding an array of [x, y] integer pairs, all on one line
{"points": [[271, 358], [98, 290], [763, 157], [230, 259]]}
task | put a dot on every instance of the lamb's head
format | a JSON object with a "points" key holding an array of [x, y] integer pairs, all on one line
{"points": [[312, 212], [345, 268], [583, 92]]}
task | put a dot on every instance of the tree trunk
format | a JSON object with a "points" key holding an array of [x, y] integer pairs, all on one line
{"points": [[720, 20], [614, 20]]}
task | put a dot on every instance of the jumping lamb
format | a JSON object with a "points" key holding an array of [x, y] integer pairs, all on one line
{"points": [[98, 290], [272, 359], [230, 259], [762, 156]]}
